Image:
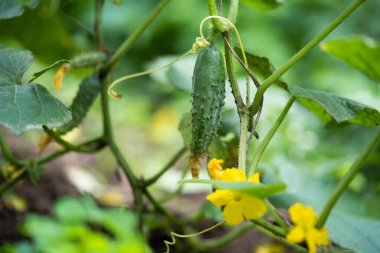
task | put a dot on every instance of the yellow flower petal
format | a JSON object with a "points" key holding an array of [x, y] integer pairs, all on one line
{"points": [[232, 213], [252, 207], [221, 197], [301, 215], [255, 178], [296, 234], [318, 236], [215, 169], [62, 71], [233, 174]]}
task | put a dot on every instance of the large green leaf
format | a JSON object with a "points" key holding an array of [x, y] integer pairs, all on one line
{"points": [[357, 233], [262, 5], [14, 8], [334, 110], [359, 52], [28, 106], [13, 65], [258, 190]]}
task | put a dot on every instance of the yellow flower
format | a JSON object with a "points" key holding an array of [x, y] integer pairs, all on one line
{"points": [[214, 168], [237, 205], [304, 219]]}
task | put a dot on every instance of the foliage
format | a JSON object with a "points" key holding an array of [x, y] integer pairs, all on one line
{"points": [[306, 164], [79, 225]]}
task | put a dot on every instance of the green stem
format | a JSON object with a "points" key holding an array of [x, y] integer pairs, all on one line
{"points": [[260, 150], [298, 56], [175, 158], [342, 186], [234, 6], [282, 240], [69, 146], [98, 24], [226, 239], [95, 144], [212, 10], [232, 77], [4, 187], [243, 142], [8, 153], [277, 217], [128, 43], [278, 231]]}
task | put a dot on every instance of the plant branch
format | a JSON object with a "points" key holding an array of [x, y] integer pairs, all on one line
{"points": [[129, 42], [278, 231], [98, 25], [69, 146], [175, 158], [212, 10], [231, 76], [347, 179], [8, 153], [282, 239], [276, 215], [298, 56], [234, 6], [263, 145], [4, 187]]}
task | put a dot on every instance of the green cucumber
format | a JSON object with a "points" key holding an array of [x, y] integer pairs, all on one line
{"points": [[208, 93], [86, 60], [88, 91]]}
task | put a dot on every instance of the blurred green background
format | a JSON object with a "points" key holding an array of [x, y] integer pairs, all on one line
{"points": [[307, 156]]}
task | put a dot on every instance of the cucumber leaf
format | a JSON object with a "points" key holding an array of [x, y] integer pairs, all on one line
{"points": [[361, 53], [15, 8], [334, 110], [357, 233], [28, 106]]}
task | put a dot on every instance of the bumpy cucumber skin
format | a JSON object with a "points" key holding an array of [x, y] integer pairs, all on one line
{"points": [[88, 91], [208, 95]]}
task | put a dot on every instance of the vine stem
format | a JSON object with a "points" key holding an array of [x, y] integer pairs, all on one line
{"points": [[98, 25], [128, 43], [263, 145], [23, 172], [243, 142], [347, 179], [234, 6], [276, 215], [214, 12], [7, 151], [298, 56]]}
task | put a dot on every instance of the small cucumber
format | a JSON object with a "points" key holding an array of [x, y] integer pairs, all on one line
{"points": [[86, 60], [208, 93], [88, 91]]}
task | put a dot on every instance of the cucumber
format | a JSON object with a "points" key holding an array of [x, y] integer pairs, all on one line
{"points": [[88, 91], [86, 60], [208, 93]]}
